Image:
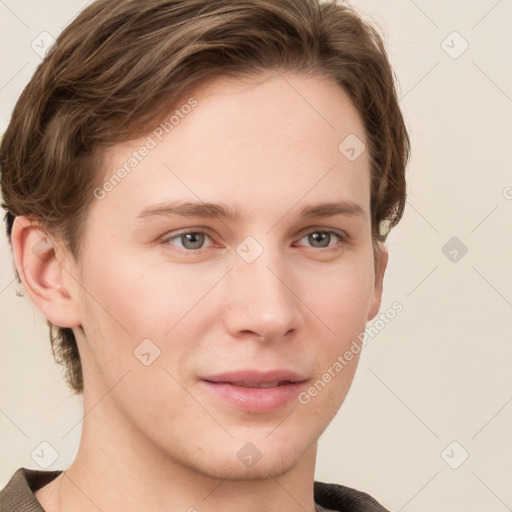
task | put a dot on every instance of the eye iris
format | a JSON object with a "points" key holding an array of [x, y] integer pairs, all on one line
{"points": [[196, 239], [320, 236]]}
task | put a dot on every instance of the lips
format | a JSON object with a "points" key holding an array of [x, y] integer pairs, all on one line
{"points": [[254, 391]]}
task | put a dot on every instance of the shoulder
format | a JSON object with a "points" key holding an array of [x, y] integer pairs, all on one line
{"points": [[18, 494], [346, 499]]}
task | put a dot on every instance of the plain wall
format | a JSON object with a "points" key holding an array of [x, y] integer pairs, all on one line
{"points": [[440, 371]]}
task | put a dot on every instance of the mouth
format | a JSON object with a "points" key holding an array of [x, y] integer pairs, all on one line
{"points": [[255, 391]]}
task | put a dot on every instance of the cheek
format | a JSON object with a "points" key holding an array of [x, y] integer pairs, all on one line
{"points": [[125, 306], [141, 298], [341, 297], [342, 304]]}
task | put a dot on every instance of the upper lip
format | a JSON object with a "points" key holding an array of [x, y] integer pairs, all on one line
{"points": [[255, 377]]}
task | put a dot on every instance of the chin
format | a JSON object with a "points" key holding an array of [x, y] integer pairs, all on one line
{"points": [[261, 459], [272, 466]]}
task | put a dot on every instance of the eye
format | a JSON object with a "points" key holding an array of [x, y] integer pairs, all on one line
{"points": [[188, 240], [194, 240], [320, 239]]}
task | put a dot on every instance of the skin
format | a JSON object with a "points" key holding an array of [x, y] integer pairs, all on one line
{"points": [[152, 437]]}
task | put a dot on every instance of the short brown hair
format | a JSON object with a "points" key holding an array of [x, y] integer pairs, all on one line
{"points": [[118, 62]]}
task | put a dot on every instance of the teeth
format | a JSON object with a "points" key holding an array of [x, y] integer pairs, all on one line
{"points": [[260, 385]]}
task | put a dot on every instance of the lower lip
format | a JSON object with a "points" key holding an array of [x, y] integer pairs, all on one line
{"points": [[257, 400]]}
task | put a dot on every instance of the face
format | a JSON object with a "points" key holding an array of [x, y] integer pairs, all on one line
{"points": [[174, 295]]}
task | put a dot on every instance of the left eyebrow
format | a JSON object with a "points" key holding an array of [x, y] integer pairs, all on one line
{"points": [[222, 211], [330, 209]]}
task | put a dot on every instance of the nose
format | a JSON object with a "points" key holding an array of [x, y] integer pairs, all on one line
{"points": [[262, 301]]}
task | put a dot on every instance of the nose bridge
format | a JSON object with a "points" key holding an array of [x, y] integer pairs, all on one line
{"points": [[261, 299]]}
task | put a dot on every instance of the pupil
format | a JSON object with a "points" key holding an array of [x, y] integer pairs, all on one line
{"points": [[195, 238], [320, 235]]}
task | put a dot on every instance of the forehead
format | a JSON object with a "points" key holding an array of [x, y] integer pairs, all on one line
{"points": [[279, 138], [295, 107]]}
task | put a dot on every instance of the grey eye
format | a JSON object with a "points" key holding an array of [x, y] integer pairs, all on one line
{"points": [[192, 240]]}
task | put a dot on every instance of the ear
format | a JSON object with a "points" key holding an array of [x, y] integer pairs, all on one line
{"points": [[47, 271], [380, 267]]}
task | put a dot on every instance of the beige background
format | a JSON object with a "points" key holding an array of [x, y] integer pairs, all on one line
{"points": [[441, 370]]}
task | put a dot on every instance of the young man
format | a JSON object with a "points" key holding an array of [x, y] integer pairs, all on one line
{"points": [[197, 196]]}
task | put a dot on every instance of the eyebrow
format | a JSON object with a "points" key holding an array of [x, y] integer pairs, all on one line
{"points": [[222, 211]]}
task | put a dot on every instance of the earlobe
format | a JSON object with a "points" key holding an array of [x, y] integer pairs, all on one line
{"points": [[380, 269], [41, 269]]}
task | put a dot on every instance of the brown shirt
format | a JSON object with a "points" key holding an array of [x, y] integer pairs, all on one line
{"points": [[18, 494]]}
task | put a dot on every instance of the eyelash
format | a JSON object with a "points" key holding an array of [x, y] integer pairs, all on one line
{"points": [[343, 237]]}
